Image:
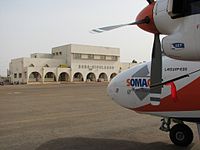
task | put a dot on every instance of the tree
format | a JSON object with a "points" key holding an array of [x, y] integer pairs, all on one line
{"points": [[134, 61]]}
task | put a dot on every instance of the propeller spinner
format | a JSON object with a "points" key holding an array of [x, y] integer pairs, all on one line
{"points": [[145, 21]]}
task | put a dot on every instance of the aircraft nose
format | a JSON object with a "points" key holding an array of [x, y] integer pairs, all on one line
{"points": [[112, 89]]}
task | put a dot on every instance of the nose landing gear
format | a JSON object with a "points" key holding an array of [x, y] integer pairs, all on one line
{"points": [[180, 134]]}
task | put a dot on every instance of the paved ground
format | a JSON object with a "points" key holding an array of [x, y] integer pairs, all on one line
{"points": [[74, 117]]}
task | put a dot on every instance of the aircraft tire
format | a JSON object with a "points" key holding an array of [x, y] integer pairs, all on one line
{"points": [[181, 135]]}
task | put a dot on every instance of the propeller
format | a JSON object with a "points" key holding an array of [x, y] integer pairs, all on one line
{"points": [[156, 71], [146, 22]]}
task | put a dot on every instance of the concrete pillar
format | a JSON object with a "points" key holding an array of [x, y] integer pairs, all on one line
{"points": [[27, 76], [57, 76], [43, 74]]}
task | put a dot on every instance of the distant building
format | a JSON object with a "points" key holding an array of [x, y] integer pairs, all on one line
{"points": [[68, 63]]}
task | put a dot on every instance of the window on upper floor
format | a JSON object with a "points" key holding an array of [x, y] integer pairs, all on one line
{"points": [[114, 58], [90, 56], [84, 56], [77, 56], [103, 57]]}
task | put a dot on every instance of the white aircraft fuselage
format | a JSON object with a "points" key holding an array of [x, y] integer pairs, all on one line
{"points": [[180, 99]]}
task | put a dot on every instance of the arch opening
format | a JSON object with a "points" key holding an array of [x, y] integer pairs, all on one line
{"points": [[78, 77], [112, 76], [35, 77], [91, 77], [50, 77], [64, 77], [103, 77]]}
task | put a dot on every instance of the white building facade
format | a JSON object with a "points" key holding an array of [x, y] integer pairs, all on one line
{"points": [[68, 63]]}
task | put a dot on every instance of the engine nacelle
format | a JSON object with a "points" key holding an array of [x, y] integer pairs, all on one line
{"points": [[182, 46], [180, 20]]}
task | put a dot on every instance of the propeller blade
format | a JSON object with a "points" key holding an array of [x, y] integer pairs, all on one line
{"points": [[100, 30], [156, 71], [150, 1], [108, 28]]}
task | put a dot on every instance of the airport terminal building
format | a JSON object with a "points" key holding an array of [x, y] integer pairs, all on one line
{"points": [[68, 63]]}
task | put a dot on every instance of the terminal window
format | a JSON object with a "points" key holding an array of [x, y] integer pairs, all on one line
{"points": [[103, 57], [15, 75], [114, 58], [20, 75], [91, 56], [77, 56]]}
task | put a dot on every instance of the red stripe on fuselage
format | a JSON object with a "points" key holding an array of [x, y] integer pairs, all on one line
{"points": [[188, 99]]}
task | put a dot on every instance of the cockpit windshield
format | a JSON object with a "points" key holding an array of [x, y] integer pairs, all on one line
{"points": [[194, 6], [182, 8]]}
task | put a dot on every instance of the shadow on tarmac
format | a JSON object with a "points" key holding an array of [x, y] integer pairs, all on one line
{"points": [[81, 143]]}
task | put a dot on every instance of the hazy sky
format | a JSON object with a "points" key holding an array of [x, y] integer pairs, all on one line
{"points": [[31, 26]]}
